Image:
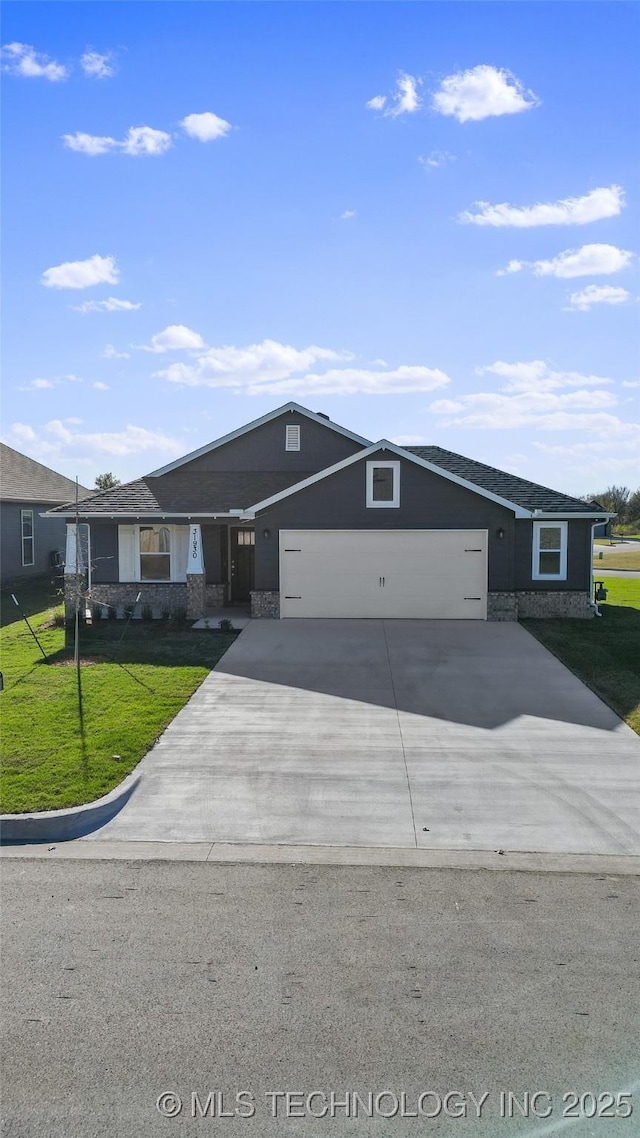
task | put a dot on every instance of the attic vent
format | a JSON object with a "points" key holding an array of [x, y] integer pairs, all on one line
{"points": [[322, 415], [292, 437]]}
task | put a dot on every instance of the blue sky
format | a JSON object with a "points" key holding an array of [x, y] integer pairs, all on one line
{"points": [[310, 213]]}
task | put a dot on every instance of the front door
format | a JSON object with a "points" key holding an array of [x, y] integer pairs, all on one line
{"points": [[243, 549]]}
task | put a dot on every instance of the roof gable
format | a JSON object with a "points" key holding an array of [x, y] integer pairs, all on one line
{"points": [[269, 417], [554, 503], [25, 480]]}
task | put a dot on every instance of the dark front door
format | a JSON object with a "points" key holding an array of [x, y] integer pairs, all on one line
{"points": [[243, 550]]}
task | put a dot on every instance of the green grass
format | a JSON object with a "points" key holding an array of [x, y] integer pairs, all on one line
{"points": [[605, 652], [128, 700]]}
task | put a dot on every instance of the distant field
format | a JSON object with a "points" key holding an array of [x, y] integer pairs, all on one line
{"points": [[621, 558]]}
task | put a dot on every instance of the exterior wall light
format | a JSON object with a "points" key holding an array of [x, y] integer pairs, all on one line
{"points": [[266, 533], [500, 533]]}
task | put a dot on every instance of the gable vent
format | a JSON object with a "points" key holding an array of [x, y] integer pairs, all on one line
{"points": [[292, 437]]}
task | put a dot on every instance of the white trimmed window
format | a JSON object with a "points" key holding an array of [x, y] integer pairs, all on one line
{"points": [[383, 485], [292, 437], [549, 551], [26, 529], [155, 553]]}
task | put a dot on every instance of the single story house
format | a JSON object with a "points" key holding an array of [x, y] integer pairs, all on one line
{"points": [[32, 542], [301, 517]]}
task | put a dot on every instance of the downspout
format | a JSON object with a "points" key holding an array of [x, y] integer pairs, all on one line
{"points": [[593, 603]]}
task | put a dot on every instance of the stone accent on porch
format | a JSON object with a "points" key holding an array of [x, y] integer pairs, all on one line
{"points": [[164, 597], [265, 603]]}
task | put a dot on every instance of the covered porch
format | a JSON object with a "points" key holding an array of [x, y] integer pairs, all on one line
{"points": [[201, 568]]}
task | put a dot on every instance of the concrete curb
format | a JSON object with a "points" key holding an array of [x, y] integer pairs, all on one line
{"points": [[72, 822], [221, 853]]}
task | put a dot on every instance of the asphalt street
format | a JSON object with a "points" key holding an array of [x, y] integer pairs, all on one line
{"points": [[125, 981]]}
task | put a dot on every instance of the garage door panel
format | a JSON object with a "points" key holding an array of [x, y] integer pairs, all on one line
{"points": [[400, 574]]}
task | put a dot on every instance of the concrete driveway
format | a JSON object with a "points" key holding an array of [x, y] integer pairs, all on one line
{"points": [[432, 734]]}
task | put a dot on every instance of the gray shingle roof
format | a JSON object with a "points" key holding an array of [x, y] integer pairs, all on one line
{"points": [[181, 492], [517, 490], [22, 479]]}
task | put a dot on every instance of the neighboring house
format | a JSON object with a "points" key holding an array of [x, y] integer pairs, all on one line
{"points": [[30, 545], [303, 518]]}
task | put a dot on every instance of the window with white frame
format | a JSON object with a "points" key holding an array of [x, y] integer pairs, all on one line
{"points": [[155, 553], [26, 528], [292, 437], [549, 551], [383, 485]]}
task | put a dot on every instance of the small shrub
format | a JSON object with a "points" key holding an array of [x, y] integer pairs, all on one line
{"points": [[166, 614], [112, 612], [59, 620], [225, 625], [147, 612], [179, 614], [96, 613]]}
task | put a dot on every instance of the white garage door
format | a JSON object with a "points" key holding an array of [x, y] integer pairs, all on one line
{"points": [[428, 574]]}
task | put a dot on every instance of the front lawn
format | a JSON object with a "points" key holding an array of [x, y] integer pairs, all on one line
{"points": [[604, 652], [130, 694]]}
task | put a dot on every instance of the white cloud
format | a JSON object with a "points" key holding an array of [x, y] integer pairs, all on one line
{"points": [[91, 144], [589, 260], [23, 59], [23, 433], [436, 158], [481, 92], [139, 141], [60, 437], [533, 395], [230, 366], [174, 338], [536, 375], [405, 99], [631, 383], [607, 201], [111, 353], [352, 381], [97, 65], [206, 126], [111, 304], [38, 385], [144, 140], [596, 294], [99, 386], [347, 215], [82, 274], [279, 369]]}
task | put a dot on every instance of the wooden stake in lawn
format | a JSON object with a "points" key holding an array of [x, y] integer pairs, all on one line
{"points": [[24, 617]]}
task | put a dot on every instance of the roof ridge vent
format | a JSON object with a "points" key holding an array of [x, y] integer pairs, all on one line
{"points": [[322, 415]]}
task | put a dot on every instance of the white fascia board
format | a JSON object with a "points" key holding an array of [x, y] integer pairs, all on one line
{"points": [[545, 516], [155, 516], [250, 427], [384, 444]]}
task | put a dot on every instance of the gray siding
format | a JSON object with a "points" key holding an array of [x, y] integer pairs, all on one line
{"points": [[427, 501], [104, 553], [214, 550], [49, 535], [263, 449], [578, 557]]}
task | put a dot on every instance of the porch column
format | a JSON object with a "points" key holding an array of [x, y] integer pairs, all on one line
{"points": [[195, 575], [74, 571]]}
